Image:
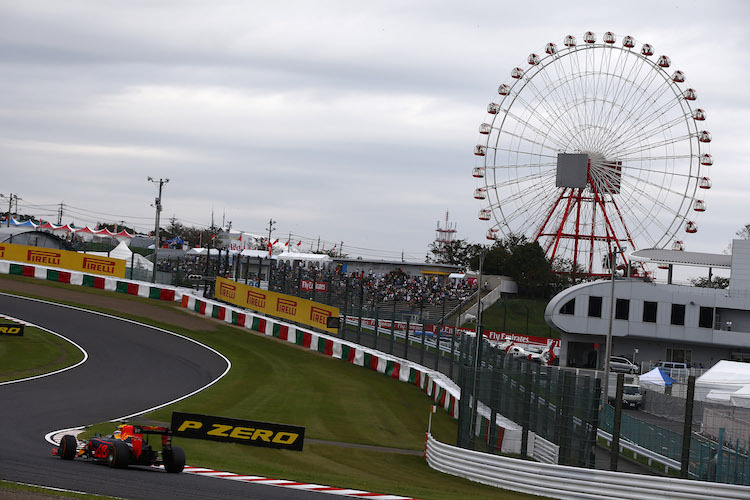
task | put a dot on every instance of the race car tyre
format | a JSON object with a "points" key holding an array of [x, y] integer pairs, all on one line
{"points": [[174, 459], [67, 448], [118, 455]]}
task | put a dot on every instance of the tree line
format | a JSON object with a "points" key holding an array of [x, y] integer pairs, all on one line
{"points": [[514, 256]]}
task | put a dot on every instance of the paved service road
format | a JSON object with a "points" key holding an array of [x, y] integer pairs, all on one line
{"points": [[131, 368]]}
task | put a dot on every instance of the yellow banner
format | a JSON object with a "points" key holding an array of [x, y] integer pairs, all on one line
{"points": [[276, 304], [52, 257]]}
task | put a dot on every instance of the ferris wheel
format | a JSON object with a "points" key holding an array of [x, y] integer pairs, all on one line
{"points": [[593, 147]]}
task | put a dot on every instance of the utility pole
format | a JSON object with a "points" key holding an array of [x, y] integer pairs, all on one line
{"points": [[10, 207], [157, 205], [60, 214]]}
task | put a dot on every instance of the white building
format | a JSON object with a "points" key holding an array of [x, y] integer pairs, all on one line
{"points": [[664, 322]]}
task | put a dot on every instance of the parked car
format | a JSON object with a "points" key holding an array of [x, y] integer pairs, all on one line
{"points": [[622, 365], [673, 368]]}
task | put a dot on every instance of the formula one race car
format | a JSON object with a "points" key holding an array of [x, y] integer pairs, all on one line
{"points": [[126, 446]]}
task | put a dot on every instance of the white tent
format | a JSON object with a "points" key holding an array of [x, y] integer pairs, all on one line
{"points": [[717, 396], [255, 253], [741, 397], [140, 262], [307, 258], [202, 251], [122, 251], [724, 376], [656, 378]]}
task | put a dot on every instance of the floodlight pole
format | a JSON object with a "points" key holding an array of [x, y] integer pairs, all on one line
{"points": [[477, 352], [608, 347], [157, 205]]}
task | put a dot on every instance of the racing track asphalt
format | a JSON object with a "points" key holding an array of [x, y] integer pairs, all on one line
{"points": [[131, 367]]}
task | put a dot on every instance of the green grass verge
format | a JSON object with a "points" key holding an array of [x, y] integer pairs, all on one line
{"points": [[510, 315], [277, 382], [35, 353]]}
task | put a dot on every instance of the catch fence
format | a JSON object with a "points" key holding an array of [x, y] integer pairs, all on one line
{"points": [[560, 406]]}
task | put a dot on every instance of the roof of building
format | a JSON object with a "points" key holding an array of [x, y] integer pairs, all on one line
{"points": [[357, 260], [679, 257]]}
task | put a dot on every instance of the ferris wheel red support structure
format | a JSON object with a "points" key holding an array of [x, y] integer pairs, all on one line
{"points": [[576, 197]]}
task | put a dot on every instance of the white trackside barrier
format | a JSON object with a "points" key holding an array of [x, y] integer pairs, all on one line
{"points": [[560, 481]]}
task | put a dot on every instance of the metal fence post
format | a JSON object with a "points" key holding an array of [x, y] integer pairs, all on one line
{"points": [[393, 326], [453, 347], [494, 396], [525, 409], [406, 338], [594, 402], [361, 299], [614, 453], [719, 455], [565, 417], [424, 336], [687, 428]]}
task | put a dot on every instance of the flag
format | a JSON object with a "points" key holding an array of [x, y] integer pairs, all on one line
{"points": [[276, 241], [287, 243], [299, 242], [334, 248]]}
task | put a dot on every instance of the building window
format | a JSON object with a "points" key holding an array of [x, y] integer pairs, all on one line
{"points": [[680, 355], [595, 307], [622, 309], [706, 317], [649, 312], [569, 307], [678, 314]]}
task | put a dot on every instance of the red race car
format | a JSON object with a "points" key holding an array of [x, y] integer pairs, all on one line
{"points": [[126, 446]]}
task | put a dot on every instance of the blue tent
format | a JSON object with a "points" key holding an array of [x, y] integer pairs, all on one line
{"points": [[656, 377]]}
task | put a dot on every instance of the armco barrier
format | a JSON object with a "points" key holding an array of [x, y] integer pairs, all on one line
{"points": [[560, 481]]}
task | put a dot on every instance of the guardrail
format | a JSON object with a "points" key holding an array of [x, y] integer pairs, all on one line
{"points": [[560, 481], [640, 451]]}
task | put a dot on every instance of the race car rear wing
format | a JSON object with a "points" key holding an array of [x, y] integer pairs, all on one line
{"points": [[150, 429], [164, 432]]}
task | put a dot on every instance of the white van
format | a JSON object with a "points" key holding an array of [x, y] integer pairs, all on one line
{"points": [[674, 369]]}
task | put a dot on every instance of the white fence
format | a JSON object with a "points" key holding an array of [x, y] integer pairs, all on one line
{"points": [[559, 481]]}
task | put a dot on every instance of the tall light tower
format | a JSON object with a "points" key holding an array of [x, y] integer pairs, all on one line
{"points": [[157, 205]]}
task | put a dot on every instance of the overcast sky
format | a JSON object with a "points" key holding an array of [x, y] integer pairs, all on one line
{"points": [[348, 121]]}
